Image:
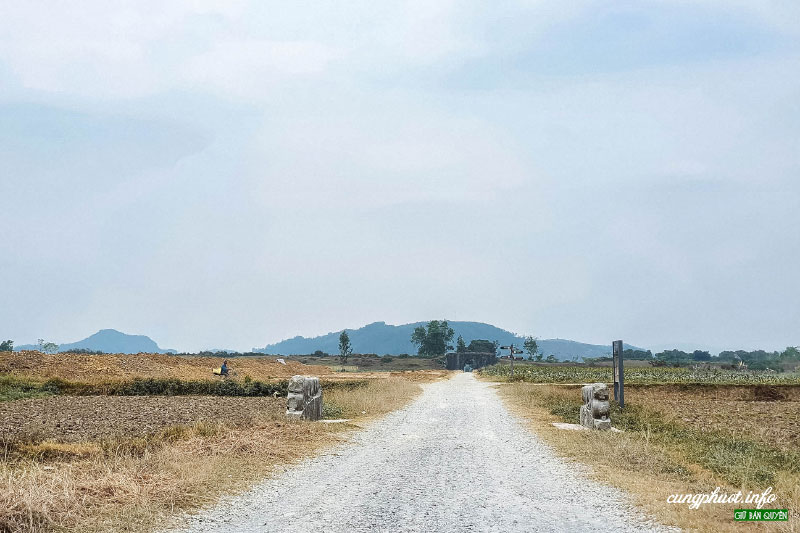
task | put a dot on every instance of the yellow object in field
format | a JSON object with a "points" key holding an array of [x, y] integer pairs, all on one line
{"points": [[218, 371]]}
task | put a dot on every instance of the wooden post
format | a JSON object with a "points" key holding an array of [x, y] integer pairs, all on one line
{"points": [[619, 373]]}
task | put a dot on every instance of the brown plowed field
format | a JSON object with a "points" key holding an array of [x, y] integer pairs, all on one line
{"points": [[741, 411], [85, 368], [80, 418]]}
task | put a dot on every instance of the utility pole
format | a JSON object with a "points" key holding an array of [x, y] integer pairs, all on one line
{"points": [[512, 351]]}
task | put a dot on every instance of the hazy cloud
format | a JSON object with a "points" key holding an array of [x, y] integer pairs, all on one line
{"points": [[229, 174]]}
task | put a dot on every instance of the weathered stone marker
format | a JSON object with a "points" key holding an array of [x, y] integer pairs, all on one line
{"points": [[304, 400], [619, 372], [595, 408]]}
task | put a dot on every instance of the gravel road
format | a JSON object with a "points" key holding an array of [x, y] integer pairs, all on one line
{"points": [[453, 460]]}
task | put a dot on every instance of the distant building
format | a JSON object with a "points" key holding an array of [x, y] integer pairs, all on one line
{"points": [[457, 360]]}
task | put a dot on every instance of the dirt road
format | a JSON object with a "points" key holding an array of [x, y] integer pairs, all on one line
{"points": [[454, 460]]}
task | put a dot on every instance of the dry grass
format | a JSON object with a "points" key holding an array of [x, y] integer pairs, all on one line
{"points": [[423, 376], [102, 369], [136, 484], [650, 465], [394, 392], [89, 368]]}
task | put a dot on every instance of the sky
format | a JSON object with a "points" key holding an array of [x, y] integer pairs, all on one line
{"points": [[227, 174]]}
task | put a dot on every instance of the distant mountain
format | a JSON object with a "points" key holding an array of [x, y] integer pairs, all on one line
{"points": [[386, 339], [109, 341]]}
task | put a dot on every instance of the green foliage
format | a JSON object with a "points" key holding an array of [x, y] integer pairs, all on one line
{"points": [[642, 355], [7, 346], [531, 346], [167, 387], [760, 359], [47, 347], [13, 388], [674, 357], [747, 357], [435, 339], [792, 353], [461, 345], [482, 346], [551, 359], [331, 411], [700, 355], [349, 385], [16, 389], [639, 375], [345, 349]]}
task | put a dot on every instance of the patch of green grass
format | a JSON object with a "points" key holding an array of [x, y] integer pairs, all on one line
{"points": [[331, 411], [12, 388], [168, 387], [17, 389]]}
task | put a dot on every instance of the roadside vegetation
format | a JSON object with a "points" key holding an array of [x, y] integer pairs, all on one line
{"points": [[374, 398], [678, 440], [533, 373]]}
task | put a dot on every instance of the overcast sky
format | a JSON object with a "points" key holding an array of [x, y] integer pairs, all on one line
{"points": [[228, 174]]}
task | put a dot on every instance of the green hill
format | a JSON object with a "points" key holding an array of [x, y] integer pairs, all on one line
{"points": [[385, 339]]}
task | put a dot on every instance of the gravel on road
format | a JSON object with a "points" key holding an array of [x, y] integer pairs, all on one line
{"points": [[453, 460]]}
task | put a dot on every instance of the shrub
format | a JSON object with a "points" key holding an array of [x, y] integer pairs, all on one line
{"points": [[331, 411], [167, 387]]}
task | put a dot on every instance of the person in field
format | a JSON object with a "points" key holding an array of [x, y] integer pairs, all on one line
{"points": [[223, 371]]}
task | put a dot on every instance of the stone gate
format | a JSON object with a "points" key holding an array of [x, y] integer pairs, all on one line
{"points": [[457, 360]]}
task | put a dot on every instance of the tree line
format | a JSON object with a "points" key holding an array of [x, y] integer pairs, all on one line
{"points": [[756, 359], [434, 339]]}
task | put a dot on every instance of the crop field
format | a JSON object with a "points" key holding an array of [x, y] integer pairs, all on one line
{"points": [[769, 415], [638, 375], [106, 369], [124, 450], [116, 442], [79, 418], [89, 368]]}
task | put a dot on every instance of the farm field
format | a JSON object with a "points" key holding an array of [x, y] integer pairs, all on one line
{"points": [[103, 368], [769, 415], [79, 418], [90, 368], [142, 450], [637, 375]]}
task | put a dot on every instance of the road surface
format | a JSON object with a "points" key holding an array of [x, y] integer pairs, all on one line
{"points": [[453, 460]]}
